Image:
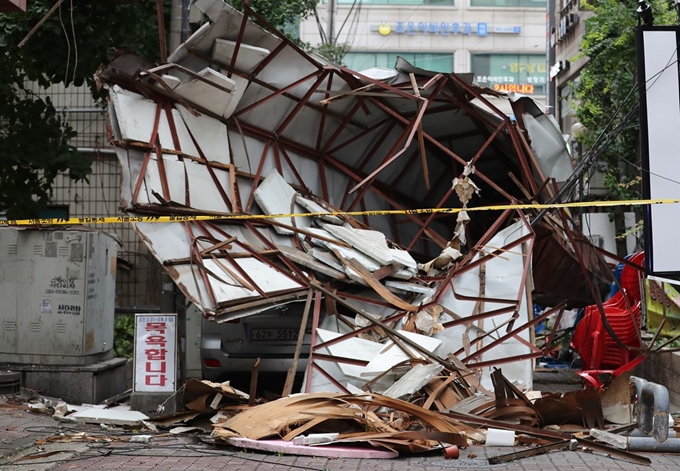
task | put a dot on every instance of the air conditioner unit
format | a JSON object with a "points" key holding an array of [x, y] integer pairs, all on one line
{"points": [[58, 294]]}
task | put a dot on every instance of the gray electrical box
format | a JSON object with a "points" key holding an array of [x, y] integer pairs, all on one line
{"points": [[57, 296], [194, 318]]}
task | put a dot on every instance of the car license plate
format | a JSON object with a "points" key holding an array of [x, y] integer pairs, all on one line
{"points": [[261, 335]]}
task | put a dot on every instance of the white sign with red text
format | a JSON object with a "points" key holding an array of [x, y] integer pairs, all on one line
{"points": [[155, 352]]}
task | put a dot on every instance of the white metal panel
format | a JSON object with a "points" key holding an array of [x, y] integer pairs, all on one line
{"points": [[210, 133], [174, 173], [503, 277], [267, 279], [206, 95], [248, 57], [275, 196], [204, 191], [136, 116]]}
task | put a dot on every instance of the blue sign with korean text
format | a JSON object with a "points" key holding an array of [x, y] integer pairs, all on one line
{"points": [[437, 28]]}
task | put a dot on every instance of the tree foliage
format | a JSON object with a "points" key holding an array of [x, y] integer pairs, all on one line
{"points": [[284, 15], [67, 49]]}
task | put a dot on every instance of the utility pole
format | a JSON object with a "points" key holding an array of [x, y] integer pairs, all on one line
{"points": [[176, 20], [331, 22]]}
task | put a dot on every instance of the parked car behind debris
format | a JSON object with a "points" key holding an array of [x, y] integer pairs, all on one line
{"points": [[233, 347]]}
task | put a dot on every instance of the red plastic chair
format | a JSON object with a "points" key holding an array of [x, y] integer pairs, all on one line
{"points": [[596, 347], [592, 341], [630, 277]]}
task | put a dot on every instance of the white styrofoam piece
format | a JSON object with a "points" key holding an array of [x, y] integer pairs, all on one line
{"points": [[113, 416], [363, 259], [327, 257], [404, 258], [248, 57], [113, 118], [371, 243], [204, 191], [319, 383], [174, 172], [354, 276], [267, 279], [170, 80], [316, 439], [356, 348], [274, 196], [211, 135], [391, 354], [237, 93], [354, 390], [404, 274], [413, 380], [187, 145], [136, 116], [410, 287], [307, 260], [380, 73], [314, 207], [319, 242], [206, 95]]}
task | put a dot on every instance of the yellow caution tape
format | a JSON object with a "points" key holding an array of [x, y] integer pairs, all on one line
{"points": [[381, 212]]}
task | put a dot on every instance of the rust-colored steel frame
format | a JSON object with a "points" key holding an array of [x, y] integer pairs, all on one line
{"points": [[449, 92], [410, 127]]}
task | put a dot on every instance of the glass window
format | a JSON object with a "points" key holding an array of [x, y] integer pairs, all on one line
{"points": [[522, 73], [57, 211], [436, 62], [509, 3], [396, 2]]}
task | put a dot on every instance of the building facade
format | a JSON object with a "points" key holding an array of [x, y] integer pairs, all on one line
{"points": [[502, 42], [567, 25]]}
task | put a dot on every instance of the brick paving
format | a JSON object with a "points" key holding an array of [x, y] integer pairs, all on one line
{"points": [[20, 428], [195, 459]]}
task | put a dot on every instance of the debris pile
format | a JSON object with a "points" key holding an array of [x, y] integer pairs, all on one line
{"points": [[371, 425], [377, 200]]}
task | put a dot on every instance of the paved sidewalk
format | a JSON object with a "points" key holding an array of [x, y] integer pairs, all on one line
{"points": [[176, 456], [165, 453], [19, 428]]}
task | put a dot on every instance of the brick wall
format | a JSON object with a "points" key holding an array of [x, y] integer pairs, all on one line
{"points": [[662, 368]]}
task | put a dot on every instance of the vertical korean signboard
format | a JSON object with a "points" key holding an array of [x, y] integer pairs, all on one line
{"points": [[155, 353]]}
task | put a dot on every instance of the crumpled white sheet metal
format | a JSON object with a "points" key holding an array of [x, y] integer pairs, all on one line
{"points": [[258, 140]]}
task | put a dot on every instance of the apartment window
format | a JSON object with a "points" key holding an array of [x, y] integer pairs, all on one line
{"points": [[509, 3], [396, 2], [436, 62], [522, 73]]}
